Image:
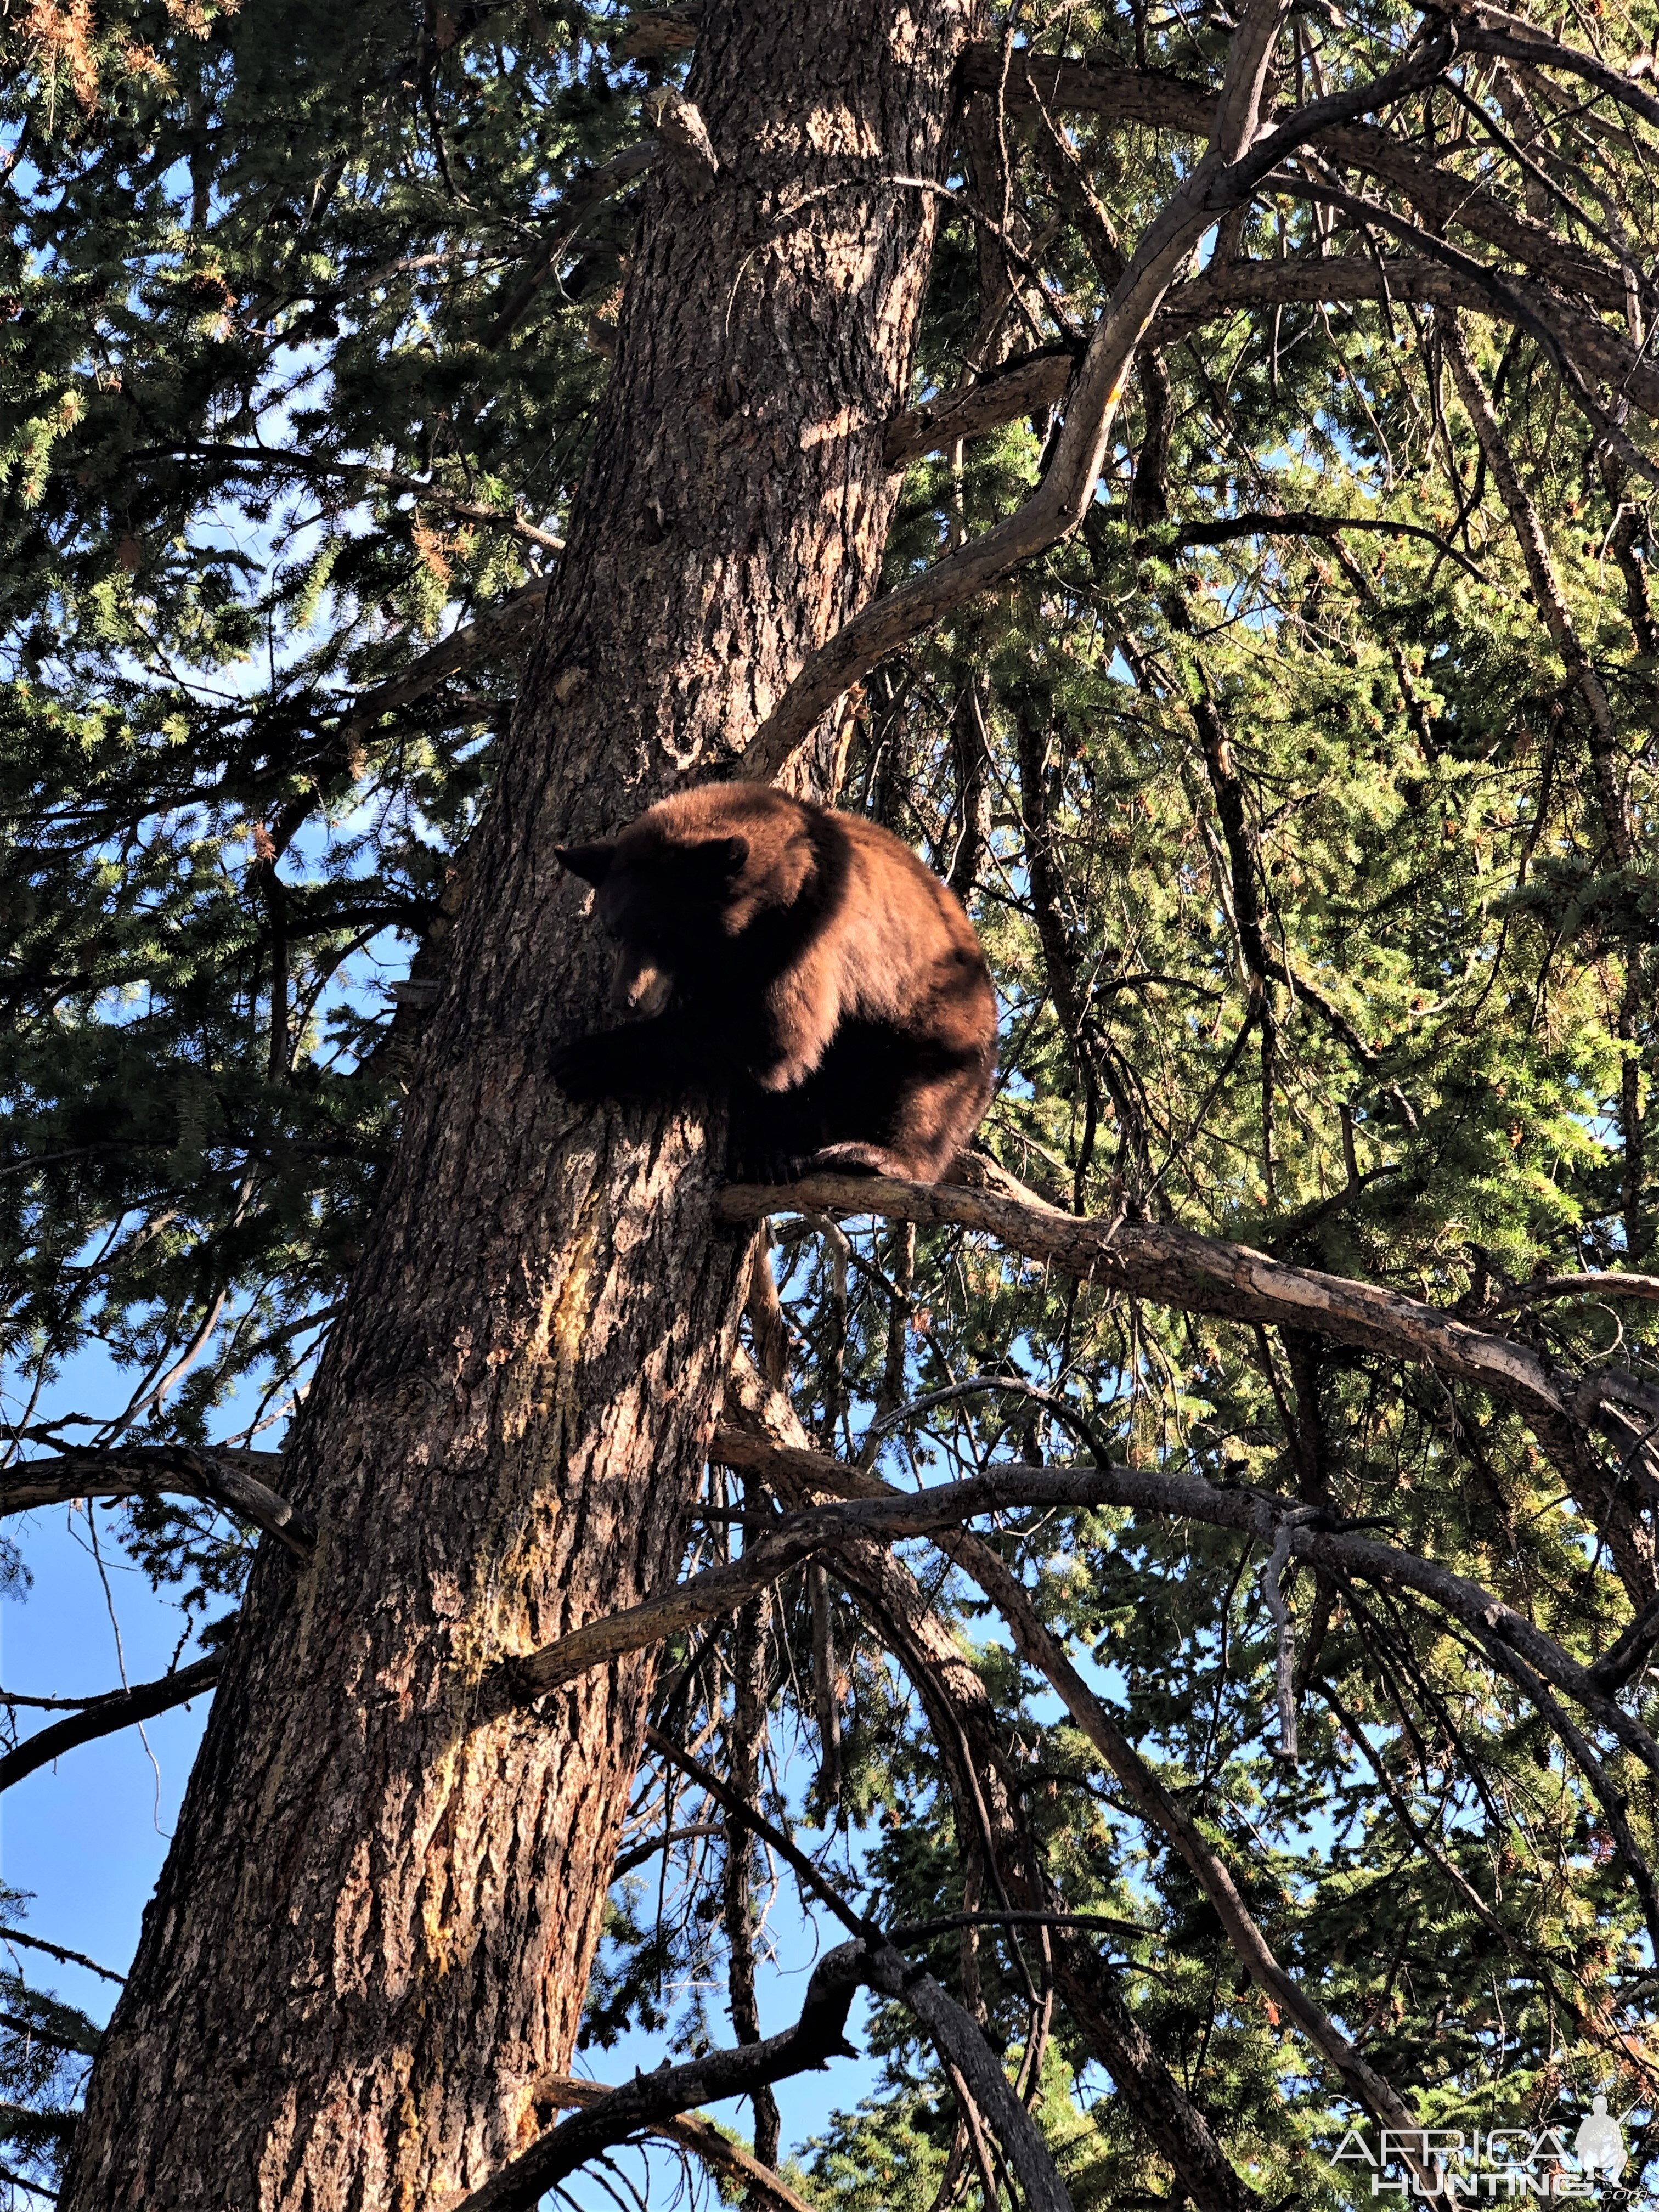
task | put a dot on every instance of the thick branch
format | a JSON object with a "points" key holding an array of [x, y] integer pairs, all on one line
{"points": [[873, 1509], [818, 2036], [1198, 1274], [759, 2182], [1335, 1549], [1516, 40], [227, 1478], [1038, 381], [640, 2105], [1609, 1284], [121, 1709], [1183, 104]]}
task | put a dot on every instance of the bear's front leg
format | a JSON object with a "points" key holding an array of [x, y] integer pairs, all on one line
{"points": [[642, 1059]]}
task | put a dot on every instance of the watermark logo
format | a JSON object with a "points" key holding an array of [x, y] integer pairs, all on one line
{"points": [[1446, 2167], [1599, 2144]]}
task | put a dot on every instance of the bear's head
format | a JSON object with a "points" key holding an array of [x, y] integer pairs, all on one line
{"points": [[667, 903]]}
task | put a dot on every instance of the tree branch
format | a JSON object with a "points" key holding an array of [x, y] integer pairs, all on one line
{"points": [[1516, 40], [874, 1510], [1183, 104], [1198, 1274], [641, 2105], [748, 1815], [1610, 1284], [993, 1828], [495, 632], [120, 1709], [758, 2181], [818, 2036], [223, 1477], [392, 480], [58, 1951]]}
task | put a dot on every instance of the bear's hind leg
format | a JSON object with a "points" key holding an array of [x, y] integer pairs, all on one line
{"points": [[936, 1113], [856, 1160]]}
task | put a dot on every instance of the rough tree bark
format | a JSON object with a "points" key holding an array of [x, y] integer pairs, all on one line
{"points": [[374, 1931]]}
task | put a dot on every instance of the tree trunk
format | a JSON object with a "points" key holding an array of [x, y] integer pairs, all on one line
{"points": [[374, 1928]]}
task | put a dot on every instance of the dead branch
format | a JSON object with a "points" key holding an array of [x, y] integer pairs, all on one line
{"points": [[1196, 1275], [640, 2105], [58, 1951], [1606, 1285], [223, 1477], [818, 2036], [120, 1709], [991, 1825], [869, 1509], [759, 2182]]}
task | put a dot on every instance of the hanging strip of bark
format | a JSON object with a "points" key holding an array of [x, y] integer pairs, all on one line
{"points": [[767, 1328], [745, 1742]]}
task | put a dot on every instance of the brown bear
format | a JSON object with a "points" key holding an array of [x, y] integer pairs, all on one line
{"points": [[802, 962]]}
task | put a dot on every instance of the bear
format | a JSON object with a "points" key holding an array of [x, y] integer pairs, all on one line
{"points": [[804, 963]]}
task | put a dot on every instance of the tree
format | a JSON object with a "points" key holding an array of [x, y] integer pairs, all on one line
{"points": [[1247, 674]]}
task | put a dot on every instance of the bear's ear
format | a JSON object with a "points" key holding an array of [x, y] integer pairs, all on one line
{"points": [[591, 862], [720, 857]]}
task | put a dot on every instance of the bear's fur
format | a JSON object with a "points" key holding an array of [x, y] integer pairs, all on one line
{"points": [[805, 962]]}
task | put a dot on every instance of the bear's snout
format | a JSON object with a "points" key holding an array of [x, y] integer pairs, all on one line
{"points": [[638, 985]]}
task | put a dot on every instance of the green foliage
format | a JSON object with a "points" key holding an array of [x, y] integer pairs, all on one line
{"points": [[45, 2046], [1286, 841]]}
